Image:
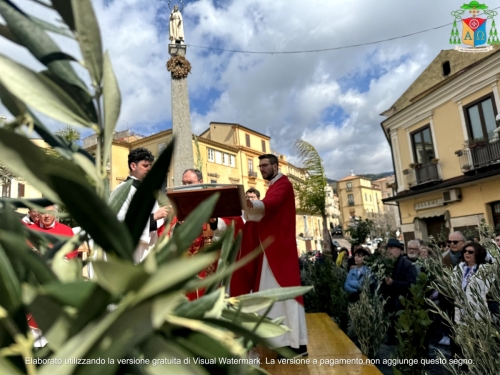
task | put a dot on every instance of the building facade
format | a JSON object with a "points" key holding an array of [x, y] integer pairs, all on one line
{"points": [[332, 208], [15, 188], [445, 146], [358, 198]]}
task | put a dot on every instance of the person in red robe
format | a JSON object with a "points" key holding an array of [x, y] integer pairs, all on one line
{"points": [[218, 225], [278, 265], [49, 224]]}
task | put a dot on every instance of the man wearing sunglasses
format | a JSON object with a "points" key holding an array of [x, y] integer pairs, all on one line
{"points": [[456, 242], [451, 258]]}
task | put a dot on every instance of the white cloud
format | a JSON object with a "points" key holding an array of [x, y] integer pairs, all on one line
{"points": [[286, 96]]}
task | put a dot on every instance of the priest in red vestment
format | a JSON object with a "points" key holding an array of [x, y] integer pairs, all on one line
{"points": [[49, 224], [278, 265]]}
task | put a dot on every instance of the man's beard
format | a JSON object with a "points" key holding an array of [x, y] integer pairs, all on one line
{"points": [[412, 256], [270, 178]]}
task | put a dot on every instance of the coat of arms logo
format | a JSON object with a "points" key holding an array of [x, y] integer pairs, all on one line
{"points": [[474, 28]]}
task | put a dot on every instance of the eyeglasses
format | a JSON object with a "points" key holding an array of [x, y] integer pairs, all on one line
{"points": [[454, 242], [469, 252], [413, 248]]}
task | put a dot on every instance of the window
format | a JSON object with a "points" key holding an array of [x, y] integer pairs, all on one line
{"points": [[218, 157], [446, 68], [247, 140], [6, 189], [161, 147], [370, 198], [213, 181], [211, 155], [423, 149], [350, 199], [366, 197], [225, 159], [20, 190], [349, 186], [480, 119], [232, 161], [250, 165], [263, 146]]}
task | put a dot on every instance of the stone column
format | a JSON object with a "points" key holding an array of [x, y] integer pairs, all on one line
{"points": [[181, 121]]}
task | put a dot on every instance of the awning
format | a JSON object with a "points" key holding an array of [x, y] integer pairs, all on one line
{"points": [[433, 213]]}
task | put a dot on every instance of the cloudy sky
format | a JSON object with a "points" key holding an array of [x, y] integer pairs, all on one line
{"points": [[331, 99]]}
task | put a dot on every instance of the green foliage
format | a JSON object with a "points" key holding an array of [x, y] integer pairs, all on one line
{"points": [[380, 265], [328, 295], [310, 192], [412, 327], [360, 230], [126, 311], [369, 320], [478, 333]]}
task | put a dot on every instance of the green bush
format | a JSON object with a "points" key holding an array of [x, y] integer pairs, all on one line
{"points": [[328, 293], [411, 328], [128, 315], [478, 333], [369, 320]]}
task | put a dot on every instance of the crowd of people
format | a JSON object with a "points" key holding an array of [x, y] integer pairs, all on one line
{"points": [[467, 258]]}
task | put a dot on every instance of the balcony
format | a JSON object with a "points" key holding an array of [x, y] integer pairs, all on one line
{"points": [[422, 174], [351, 203], [252, 174], [479, 155]]}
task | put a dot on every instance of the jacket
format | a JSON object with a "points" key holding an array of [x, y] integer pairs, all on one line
{"points": [[475, 283], [403, 275], [354, 280]]}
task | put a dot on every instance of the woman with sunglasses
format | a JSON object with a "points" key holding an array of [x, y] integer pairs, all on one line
{"points": [[473, 260]]}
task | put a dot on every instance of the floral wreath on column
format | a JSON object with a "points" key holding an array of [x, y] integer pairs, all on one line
{"points": [[179, 66]]}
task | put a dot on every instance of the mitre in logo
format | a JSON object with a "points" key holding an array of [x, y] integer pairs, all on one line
{"points": [[474, 28]]}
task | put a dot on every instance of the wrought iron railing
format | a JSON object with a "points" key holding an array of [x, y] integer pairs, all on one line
{"points": [[479, 154], [252, 174], [422, 174]]}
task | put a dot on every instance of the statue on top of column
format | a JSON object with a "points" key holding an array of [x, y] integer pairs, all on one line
{"points": [[176, 26]]}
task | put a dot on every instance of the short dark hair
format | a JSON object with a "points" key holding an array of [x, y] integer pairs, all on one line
{"points": [[253, 190], [480, 252], [354, 246], [362, 251], [139, 154], [272, 158], [197, 172]]}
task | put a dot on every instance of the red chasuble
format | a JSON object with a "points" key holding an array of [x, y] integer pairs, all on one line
{"points": [[58, 230], [278, 223], [197, 245]]}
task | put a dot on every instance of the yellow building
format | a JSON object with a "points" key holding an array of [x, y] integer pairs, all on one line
{"points": [[358, 199], [247, 144], [445, 149], [17, 188]]}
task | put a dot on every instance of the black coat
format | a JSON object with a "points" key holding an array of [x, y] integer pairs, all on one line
{"points": [[403, 275]]}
